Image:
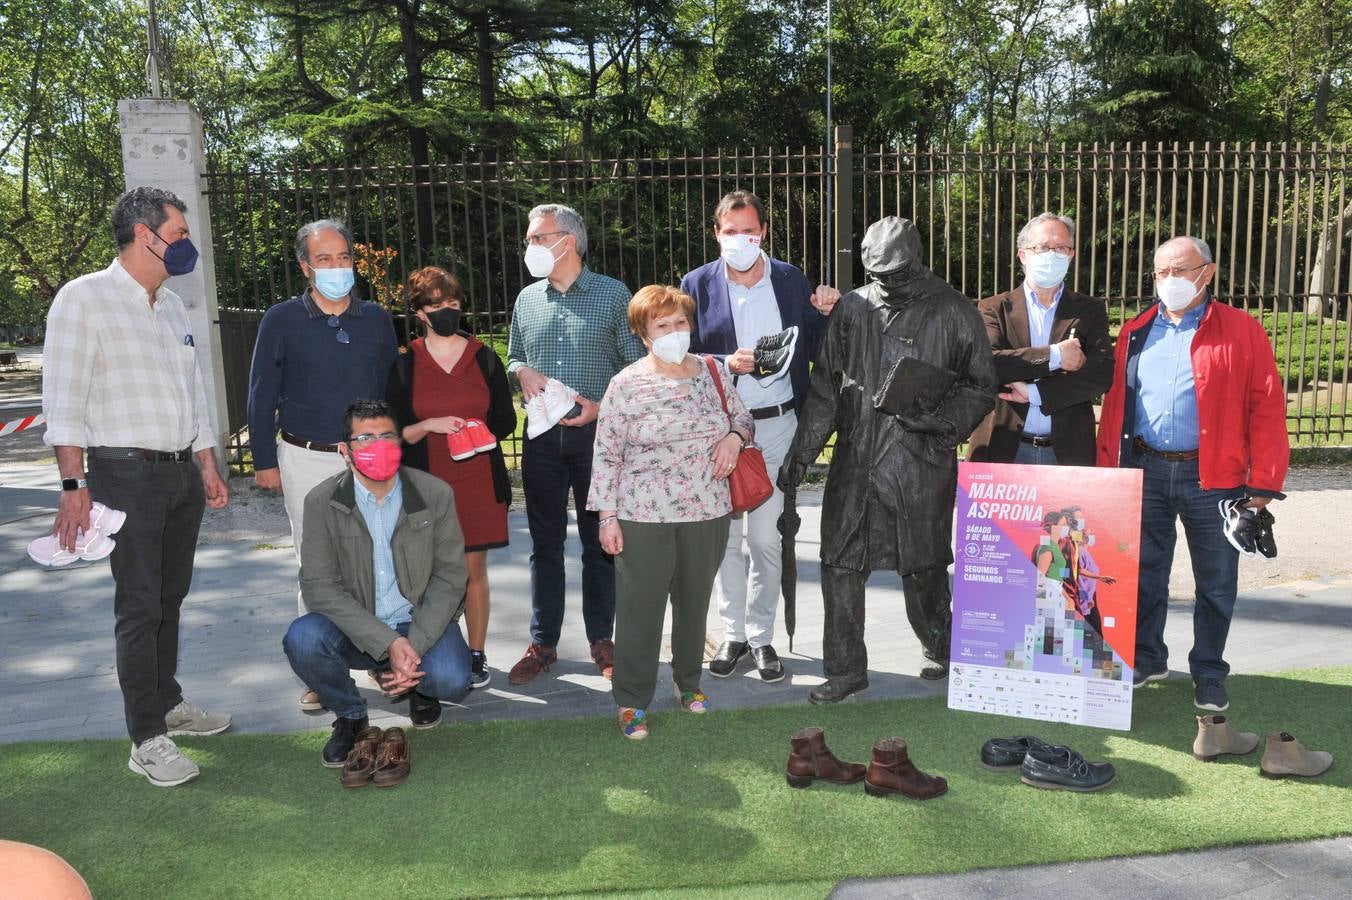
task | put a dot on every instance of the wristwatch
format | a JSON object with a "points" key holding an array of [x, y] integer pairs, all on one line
{"points": [[72, 484]]}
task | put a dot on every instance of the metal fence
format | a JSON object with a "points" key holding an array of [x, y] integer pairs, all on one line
{"points": [[1278, 217]]}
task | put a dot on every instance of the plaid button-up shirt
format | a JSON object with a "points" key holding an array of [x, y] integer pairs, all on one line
{"points": [[118, 371], [580, 336]]}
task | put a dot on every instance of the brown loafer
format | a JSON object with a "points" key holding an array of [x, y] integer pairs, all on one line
{"points": [[360, 764], [392, 759]]}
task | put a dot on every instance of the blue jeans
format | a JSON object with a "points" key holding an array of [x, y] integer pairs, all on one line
{"points": [[552, 465], [1171, 492], [321, 656], [1030, 455]]}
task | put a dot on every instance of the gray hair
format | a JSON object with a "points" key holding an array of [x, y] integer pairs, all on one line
{"points": [[1202, 247], [567, 220], [304, 232], [142, 206], [1067, 221]]}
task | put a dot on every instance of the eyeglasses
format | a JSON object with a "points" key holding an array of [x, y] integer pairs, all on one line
{"points": [[1177, 272], [540, 238], [366, 440], [335, 322], [1063, 249]]}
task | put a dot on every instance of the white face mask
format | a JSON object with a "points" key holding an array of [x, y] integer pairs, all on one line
{"points": [[540, 259], [740, 251], [1079, 523], [1046, 270], [672, 346], [1175, 292], [1063, 531]]}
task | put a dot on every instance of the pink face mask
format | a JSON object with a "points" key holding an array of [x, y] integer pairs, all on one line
{"points": [[379, 462]]}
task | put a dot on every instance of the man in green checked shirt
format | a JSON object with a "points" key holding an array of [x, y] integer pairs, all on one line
{"points": [[571, 326]]}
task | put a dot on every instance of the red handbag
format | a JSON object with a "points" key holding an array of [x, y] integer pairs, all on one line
{"points": [[750, 480]]}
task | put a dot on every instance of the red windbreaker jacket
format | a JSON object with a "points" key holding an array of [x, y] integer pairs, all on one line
{"points": [[1241, 401]]}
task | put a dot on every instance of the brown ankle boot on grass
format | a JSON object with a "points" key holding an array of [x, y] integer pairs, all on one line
{"points": [[810, 759]]}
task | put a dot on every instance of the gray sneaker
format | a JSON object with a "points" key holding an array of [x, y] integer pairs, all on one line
{"points": [[188, 719], [160, 761]]}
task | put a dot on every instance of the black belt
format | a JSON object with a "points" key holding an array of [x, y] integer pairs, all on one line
{"points": [[176, 456], [308, 445], [769, 412], [1037, 440], [1169, 455]]}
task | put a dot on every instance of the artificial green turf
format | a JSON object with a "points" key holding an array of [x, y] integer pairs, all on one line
{"points": [[533, 807]]}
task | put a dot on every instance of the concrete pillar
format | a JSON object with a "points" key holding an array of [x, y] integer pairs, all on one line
{"points": [[162, 147]]}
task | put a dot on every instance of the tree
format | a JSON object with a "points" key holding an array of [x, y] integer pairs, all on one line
{"points": [[1163, 70]]}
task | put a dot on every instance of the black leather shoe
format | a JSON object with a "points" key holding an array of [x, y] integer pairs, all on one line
{"points": [[768, 664], [935, 671], [423, 712], [340, 743], [725, 660], [1062, 769], [837, 689], [1002, 754]]}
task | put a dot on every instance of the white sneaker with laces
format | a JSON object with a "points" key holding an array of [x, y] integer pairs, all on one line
{"points": [[161, 762], [188, 719]]}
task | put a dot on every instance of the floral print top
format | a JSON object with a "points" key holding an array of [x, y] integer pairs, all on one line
{"points": [[653, 459]]}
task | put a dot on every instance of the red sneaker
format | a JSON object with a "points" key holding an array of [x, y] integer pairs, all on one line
{"points": [[480, 436], [461, 444]]}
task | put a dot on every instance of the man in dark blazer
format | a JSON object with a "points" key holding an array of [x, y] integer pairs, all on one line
{"points": [[1052, 355], [740, 298]]}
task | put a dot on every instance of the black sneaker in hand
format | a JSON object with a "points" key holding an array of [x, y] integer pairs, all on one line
{"points": [[1062, 769], [340, 743]]}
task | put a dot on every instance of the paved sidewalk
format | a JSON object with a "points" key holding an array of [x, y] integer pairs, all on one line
{"points": [[56, 659]]}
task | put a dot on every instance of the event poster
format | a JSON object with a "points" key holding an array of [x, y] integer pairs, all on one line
{"points": [[1044, 592]]}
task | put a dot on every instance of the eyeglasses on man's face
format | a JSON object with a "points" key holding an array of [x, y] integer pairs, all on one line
{"points": [[1178, 271], [366, 440], [540, 237], [1038, 249], [335, 322]]}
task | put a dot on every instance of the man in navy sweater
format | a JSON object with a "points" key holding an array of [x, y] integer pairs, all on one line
{"points": [[316, 354], [740, 298]]}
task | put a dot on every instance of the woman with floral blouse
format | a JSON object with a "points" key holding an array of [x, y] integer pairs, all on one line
{"points": [[663, 453]]}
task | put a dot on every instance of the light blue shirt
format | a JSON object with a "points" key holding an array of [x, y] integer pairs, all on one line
{"points": [[1040, 320], [755, 313], [1166, 398], [381, 516]]}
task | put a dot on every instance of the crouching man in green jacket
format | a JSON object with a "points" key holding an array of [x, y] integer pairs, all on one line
{"points": [[383, 574]]}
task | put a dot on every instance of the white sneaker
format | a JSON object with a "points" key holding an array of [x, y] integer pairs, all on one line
{"points": [[160, 761], [188, 719]]}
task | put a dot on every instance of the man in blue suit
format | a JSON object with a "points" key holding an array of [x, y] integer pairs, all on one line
{"points": [[742, 297]]}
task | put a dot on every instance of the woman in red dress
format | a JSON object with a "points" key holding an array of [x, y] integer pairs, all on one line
{"points": [[443, 379]]}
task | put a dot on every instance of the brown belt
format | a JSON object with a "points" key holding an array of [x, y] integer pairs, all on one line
{"points": [[308, 445], [1037, 440], [1169, 455]]}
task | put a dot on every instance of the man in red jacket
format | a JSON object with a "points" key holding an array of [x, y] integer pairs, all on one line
{"points": [[1197, 405]]}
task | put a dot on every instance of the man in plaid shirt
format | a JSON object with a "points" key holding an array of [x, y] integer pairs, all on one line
{"points": [[571, 326], [122, 386]]}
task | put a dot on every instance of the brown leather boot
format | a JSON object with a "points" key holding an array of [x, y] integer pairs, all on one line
{"points": [[892, 772], [810, 759]]}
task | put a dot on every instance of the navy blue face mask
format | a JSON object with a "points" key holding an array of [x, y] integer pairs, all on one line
{"points": [[180, 257]]}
